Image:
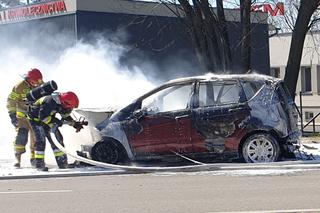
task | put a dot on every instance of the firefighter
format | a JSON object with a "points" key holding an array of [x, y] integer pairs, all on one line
{"points": [[17, 109], [42, 117]]}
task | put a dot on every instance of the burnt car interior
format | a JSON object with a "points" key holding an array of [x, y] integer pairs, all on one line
{"points": [[218, 93]]}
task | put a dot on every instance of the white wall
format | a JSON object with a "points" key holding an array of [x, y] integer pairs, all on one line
{"points": [[279, 52]]}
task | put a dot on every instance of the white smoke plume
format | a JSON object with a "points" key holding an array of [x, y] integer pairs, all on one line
{"points": [[91, 71]]}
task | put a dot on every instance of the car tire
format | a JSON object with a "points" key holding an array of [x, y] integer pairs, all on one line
{"points": [[260, 148], [106, 152]]}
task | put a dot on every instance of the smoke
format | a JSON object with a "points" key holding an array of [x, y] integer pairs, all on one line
{"points": [[92, 71]]}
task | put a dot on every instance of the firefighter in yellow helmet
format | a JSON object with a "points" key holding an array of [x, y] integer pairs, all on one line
{"points": [[17, 109]]}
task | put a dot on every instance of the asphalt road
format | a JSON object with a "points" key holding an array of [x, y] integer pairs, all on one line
{"points": [[162, 192]]}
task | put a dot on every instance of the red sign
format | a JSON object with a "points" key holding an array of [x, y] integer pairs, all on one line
{"points": [[272, 9], [33, 11]]}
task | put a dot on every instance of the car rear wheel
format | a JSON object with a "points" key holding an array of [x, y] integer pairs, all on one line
{"points": [[260, 148], [106, 151]]}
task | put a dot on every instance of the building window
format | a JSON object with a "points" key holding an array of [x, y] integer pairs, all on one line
{"points": [[308, 116], [306, 79], [318, 79], [275, 72]]}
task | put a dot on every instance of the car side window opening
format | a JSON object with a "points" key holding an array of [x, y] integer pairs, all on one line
{"points": [[169, 99], [251, 88], [218, 93]]}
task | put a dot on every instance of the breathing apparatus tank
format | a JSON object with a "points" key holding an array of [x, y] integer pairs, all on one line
{"points": [[43, 90]]}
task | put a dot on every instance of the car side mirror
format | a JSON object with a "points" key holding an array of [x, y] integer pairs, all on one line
{"points": [[139, 113]]}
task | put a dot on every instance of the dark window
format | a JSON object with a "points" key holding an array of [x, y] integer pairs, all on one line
{"points": [[308, 116], [318, 79], [306, 79]]}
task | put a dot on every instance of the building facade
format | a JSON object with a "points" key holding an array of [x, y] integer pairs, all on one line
{"points": [[308, 84], [150, 32]]}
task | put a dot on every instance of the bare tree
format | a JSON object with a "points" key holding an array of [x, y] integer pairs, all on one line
{"points": [[245, 9], [210, 40], [209, 33], [302, 25], [206, 31], [300, 17]]}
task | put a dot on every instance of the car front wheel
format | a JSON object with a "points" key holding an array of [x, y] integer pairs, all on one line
{"points": [[105, 151], [260, 148]]}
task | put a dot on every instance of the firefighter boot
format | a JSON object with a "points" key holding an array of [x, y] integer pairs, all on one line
{"points": [[33, 162], [32, 158], [62, 162], [40, 165], [18, 161]]}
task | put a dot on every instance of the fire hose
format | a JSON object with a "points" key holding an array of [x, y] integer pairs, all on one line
{"points": [[129, 168], [199, 165]]}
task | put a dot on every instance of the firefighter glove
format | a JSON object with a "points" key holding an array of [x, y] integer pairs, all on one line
{"points": [[78, 126], [13, 118]]}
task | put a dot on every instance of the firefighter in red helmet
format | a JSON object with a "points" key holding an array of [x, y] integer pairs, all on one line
{"points": [[69, 100], [34, 77], [42, 116], [17, 109]]}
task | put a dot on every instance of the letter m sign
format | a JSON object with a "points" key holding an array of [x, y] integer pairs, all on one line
{"points": [[279, 8]]}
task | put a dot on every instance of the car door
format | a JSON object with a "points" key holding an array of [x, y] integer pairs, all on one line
{"points": [[219, 115], [166, 124]]}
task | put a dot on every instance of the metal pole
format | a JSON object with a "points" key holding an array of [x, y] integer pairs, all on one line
{"points": [[314, 126], [301, 114]]}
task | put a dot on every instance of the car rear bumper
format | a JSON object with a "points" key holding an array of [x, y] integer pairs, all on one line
{"points": [[293, 141]]}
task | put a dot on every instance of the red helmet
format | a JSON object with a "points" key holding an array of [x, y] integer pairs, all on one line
{"points": [[69, 100], [34, 77]]}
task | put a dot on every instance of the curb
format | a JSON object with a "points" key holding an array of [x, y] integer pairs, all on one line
{"points": [[285, 166]]}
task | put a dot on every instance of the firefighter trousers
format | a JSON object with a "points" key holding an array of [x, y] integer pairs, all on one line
{"points": [[41, 133], [61, 158], [24, 131]]}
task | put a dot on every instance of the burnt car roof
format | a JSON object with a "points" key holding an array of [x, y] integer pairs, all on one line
{"points": [[211, 76]]}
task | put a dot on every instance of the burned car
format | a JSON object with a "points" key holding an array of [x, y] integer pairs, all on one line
{"points": [[249, 117]]}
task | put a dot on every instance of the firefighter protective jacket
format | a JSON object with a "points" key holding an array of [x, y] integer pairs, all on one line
{"points": [[43, 111], [16, 99]]}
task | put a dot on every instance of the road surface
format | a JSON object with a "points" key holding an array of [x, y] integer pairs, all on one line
{"points": [[164, 192]]}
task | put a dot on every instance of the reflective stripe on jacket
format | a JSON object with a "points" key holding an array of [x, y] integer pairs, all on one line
{"points": [[16, 99], [45, 110]]}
